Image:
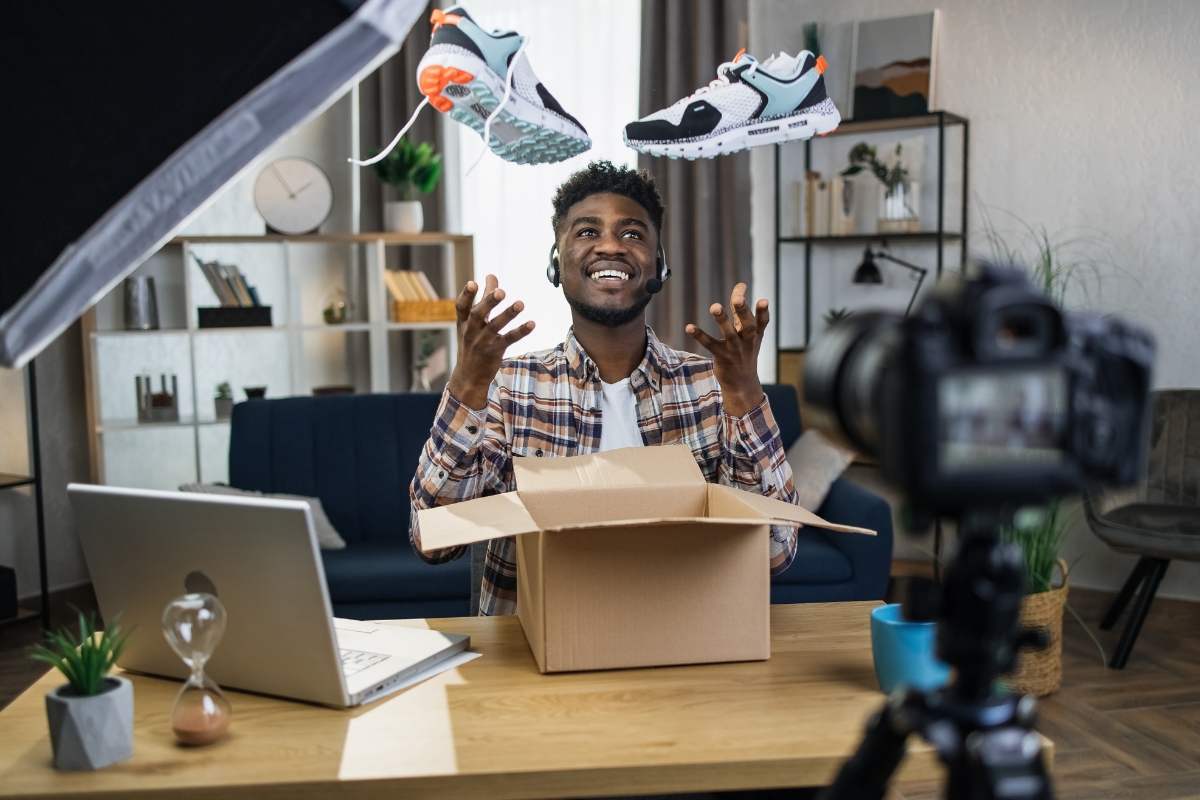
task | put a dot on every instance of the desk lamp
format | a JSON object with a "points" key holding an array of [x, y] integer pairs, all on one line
{"points": [[868, 271]]}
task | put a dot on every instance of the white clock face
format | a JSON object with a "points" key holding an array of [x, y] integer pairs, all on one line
{"points": [[293, 195]]}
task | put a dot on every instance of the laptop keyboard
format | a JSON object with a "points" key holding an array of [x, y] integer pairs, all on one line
{"points": [[357, 660]]}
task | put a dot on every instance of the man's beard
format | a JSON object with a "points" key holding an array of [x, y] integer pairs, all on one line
{"points": [[609, 317]]}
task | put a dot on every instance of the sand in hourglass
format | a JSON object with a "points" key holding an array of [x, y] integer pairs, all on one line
{"points": [[200, 724]]}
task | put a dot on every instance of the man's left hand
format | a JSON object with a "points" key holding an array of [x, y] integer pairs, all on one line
{"points": [[735, 357]]}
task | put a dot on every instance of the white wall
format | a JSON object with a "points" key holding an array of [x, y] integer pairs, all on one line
{"points": [[1085, 115]]}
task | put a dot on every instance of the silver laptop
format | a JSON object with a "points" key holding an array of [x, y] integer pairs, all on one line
{"points": [[260, 557]]}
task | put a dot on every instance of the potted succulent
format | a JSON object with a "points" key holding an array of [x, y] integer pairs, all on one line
{"points": [[224, 400], [897, 206], [90, 716], [412, 171]]}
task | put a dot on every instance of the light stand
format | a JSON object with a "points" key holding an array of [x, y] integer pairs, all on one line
{"points": [[868, 272]]}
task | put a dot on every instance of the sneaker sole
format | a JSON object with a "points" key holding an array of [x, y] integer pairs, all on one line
{"points": [[797, 127], [465, 87]]}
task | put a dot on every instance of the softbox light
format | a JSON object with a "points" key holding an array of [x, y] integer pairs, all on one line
{"points": [[122, 120]]}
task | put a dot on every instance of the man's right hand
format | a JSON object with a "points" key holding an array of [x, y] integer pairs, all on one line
{"points": [[481, 344]]}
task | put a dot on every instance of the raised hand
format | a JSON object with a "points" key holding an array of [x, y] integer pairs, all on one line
{"points": [[481, 343], [735, 357]]}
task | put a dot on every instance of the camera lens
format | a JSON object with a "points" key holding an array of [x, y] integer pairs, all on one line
{"points": [[842, 377]]}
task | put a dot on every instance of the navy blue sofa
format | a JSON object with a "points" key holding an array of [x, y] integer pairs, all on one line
{"points": [[831, 566], [358, 453]]}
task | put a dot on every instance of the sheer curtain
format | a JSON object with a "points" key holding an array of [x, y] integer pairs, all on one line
{"points": [[587, 56]]}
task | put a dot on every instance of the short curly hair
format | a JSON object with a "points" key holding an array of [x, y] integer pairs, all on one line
{"points": [[604, 177]]}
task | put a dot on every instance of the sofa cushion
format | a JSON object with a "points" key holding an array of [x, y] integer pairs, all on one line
{"points": [[816, 561], [386, 571]]}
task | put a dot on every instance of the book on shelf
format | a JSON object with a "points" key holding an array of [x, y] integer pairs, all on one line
{"points": [[409, 285], [228, 284]]}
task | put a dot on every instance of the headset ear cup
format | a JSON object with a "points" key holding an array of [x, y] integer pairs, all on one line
{"points": [[661, 269], [552, 267]]}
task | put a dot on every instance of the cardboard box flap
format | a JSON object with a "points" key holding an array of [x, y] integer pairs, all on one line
{"points": [[474, 521], [646, 523], [628, 467], [770, 508]]}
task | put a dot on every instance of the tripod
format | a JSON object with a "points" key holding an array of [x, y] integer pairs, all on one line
{"points": [[984, 737]]}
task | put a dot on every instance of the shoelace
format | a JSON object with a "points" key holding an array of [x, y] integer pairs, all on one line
{"points": [[487, 125], [723, 77]]}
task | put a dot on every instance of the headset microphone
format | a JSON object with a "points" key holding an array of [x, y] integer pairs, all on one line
{"points": [[653, 286]]}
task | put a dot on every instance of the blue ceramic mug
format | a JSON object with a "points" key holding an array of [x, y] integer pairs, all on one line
{"points": [[904, 651]]}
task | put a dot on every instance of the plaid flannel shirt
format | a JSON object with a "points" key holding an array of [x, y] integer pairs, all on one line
{"points": [[547, 404]]}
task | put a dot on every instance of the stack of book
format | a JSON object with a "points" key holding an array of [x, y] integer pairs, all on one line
{"points": [[228, 284], [414, 299], [240, 306]]}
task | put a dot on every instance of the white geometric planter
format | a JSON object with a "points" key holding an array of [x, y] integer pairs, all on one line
{"points": [[403, 216], [91, 732]]}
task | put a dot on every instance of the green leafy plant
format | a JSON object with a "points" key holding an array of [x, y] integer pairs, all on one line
{"points": [[412, 170], [1056, 262], [812, 38], [224, 391], [835, 315], [1040, 531], [865, 156], [86, 660]]}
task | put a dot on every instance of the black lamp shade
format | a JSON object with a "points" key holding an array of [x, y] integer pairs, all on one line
{"points": [[867, 271]]}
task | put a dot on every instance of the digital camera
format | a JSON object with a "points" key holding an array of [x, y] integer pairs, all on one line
{"points": [[988, 395]]}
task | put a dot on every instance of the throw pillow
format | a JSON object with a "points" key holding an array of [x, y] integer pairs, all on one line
{"points": [[816, 463], [327, 535]]}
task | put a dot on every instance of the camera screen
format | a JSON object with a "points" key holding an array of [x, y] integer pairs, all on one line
{"points": [[996, 419]]}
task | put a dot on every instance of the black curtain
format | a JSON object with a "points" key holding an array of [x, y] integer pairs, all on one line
{"points": [[706, 233]]}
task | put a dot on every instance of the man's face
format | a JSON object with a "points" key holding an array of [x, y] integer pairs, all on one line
{"points": [[606, 253]]}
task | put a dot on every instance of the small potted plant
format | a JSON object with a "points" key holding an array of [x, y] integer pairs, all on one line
{"points": [[897, 206], [91, 716], [412, 171], [224, 400]]}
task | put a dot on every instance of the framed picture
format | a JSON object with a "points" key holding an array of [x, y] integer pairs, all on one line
{"points": [[894, 67]]}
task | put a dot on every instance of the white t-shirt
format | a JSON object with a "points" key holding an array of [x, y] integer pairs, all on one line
{"points": [[618, 416]]}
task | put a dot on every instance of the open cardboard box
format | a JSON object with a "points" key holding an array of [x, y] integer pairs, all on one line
{"points": [[629, 558]]}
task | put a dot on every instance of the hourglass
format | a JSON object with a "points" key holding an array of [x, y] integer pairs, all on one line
{"points": [[193, 625]]}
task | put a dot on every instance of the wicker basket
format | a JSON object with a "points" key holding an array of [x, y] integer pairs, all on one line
{"points": [[1039, 672], [424, 311]]}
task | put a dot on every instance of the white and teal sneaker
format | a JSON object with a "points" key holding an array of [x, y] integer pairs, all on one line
{"points": [[468, 72], [780, 100]]}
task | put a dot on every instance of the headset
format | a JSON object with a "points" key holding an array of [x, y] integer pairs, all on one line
{"points": [[653, 286]]}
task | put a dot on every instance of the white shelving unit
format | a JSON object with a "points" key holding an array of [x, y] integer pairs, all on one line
{"points": [[291, 357]]}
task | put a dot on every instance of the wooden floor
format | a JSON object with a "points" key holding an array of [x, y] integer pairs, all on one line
{"points": [[1133, 733]]}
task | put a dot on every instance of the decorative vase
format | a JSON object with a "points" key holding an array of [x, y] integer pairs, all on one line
{"points": [[91, 732], [224, 407], [403, 216], [141, 304], [1039, 672], [897, 209]]}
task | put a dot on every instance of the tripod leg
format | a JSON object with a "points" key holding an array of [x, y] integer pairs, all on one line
{"points": [[865, 776], [1131, 584], [1158, 568]]}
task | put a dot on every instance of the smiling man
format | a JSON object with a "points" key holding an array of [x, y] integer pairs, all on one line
{"points": [[610, 384]]}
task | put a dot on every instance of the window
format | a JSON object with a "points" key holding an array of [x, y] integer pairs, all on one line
{"points": [[587, 56]]}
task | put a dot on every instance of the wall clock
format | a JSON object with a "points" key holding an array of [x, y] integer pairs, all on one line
{"points": [[293, 195]]}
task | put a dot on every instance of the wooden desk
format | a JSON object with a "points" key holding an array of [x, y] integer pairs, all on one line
{"points": [[496, 728]]}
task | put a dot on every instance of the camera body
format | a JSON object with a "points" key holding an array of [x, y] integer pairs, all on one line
{"points": [[989, 395]]}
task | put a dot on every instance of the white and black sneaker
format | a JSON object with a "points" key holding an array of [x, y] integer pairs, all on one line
{"points": [[468, 72], [782, 99]]}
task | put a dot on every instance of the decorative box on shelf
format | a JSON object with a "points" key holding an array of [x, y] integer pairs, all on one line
{"points": [[235, 317], [424, 311]]}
